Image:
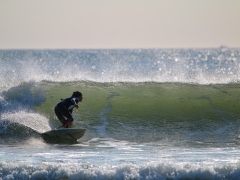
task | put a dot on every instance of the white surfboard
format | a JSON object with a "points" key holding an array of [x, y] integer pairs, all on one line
{"points": [[65, 133]]}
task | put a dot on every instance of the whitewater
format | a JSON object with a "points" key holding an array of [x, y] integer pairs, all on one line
{"points": [[149, 113]]}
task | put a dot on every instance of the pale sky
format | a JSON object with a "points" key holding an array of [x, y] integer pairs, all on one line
{"points": [[84, 24]]}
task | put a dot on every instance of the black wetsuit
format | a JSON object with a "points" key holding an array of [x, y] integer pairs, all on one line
{"points": [[63, 109]]}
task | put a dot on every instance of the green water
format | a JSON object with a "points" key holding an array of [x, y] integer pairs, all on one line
{"points": [[147, 101]]}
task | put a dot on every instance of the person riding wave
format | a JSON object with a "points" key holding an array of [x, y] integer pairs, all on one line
{"points": [[64, 108]]}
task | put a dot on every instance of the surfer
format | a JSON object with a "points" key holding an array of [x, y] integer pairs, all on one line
{"points": [[64, 108]]}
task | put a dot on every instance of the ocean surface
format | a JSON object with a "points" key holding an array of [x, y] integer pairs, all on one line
{"points": [[149, 114]]}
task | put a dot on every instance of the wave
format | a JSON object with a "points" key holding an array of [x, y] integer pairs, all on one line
{"points": [[200, 66], [140, 112], [14, 132], [18, 105], [124, 171], [169, 99]]}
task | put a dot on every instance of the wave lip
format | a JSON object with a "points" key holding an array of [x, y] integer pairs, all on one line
{"points": [[200, 66]]}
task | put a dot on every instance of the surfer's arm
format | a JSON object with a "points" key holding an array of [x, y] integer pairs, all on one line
{"points": [[75, 101]]}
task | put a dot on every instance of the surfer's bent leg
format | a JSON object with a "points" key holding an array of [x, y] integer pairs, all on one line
{"points": [[69, 117], [62, 112], [58, 111], [68, 122]]}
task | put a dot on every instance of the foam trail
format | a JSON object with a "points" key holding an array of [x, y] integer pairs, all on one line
{"points": [[102, 116], [102, 128]]}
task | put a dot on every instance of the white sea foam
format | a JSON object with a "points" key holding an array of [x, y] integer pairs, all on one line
{"points": [[124, 171], [201, 66]]}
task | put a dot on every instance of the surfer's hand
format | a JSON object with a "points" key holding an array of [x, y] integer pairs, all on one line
{"points": [[76, 106]]}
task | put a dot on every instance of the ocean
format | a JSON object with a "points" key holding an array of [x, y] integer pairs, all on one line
{"points": [[149, 113]]}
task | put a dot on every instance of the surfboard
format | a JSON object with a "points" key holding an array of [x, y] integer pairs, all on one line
{"points": [[65, 133]]}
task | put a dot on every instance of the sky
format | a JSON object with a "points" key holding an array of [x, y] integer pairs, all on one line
{"points": [[111, 24]]}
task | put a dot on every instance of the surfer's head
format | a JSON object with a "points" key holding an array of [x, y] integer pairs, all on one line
{"points": [[77, 94]]}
